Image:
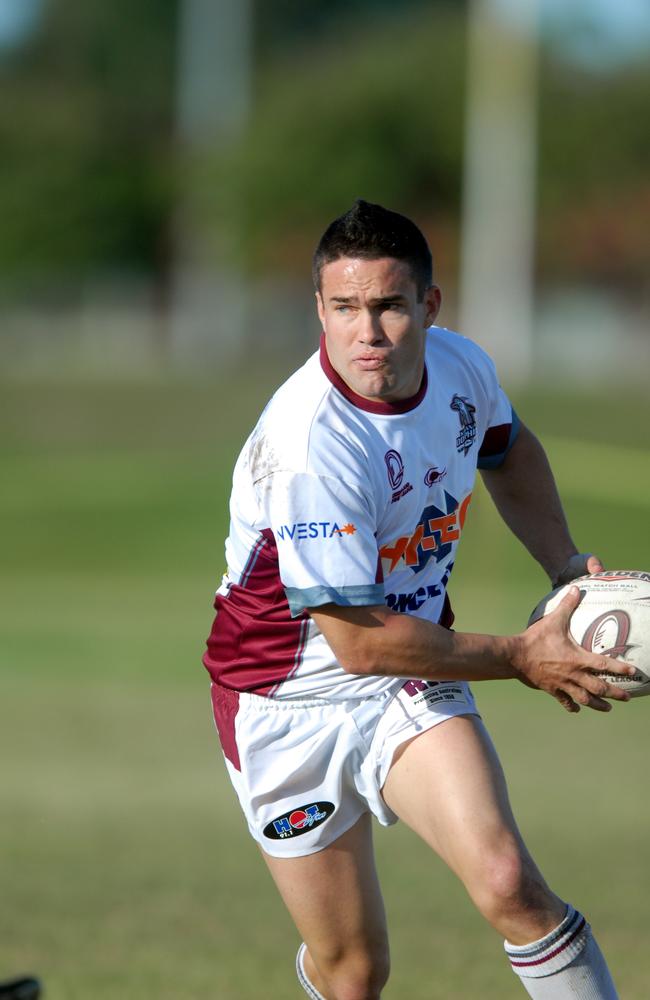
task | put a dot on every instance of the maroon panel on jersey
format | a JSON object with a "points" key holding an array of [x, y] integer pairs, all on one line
{"points": [[255, 644], [225, 705]]}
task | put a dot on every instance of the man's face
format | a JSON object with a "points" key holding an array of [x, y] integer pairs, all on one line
{"points": [[374, 325]]}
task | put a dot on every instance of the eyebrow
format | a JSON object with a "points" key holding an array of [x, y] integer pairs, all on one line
{"points": [[382, 299]]}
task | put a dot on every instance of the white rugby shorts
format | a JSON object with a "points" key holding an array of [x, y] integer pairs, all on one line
{"points": [[308, 769]]}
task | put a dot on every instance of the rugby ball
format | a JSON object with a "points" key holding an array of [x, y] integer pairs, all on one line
{"points": [[612, 619]]}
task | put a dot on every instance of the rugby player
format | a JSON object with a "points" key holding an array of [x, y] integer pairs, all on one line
{"points": [[340, 690]]}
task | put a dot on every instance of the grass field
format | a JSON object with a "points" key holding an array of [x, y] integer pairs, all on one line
{"points": [[126, 870]]}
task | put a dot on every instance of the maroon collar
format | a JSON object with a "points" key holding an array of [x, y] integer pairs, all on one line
{"points": [[400, 406]]}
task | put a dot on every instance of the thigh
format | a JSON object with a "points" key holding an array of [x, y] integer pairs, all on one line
{"points": [[334, 897], [447, 784]]}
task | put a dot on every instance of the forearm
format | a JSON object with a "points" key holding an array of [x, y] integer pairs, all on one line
{"points": [[524, 492], [385, 643], [375, 640]]}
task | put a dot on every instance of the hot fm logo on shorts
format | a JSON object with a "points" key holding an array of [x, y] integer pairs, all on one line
{"points": [[299, 821]]}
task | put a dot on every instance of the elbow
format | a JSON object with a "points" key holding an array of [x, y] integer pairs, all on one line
{"points": [[357, 637], [359, 658]]}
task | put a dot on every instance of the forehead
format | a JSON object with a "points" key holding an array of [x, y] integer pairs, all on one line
{"points": [[359, 276]]}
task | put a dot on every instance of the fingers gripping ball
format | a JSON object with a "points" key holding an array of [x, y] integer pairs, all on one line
{"points": [[612, 619], [578, 565]]}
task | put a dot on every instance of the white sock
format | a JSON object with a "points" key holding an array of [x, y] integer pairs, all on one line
{"points": [[565, 963], [306, 983]]}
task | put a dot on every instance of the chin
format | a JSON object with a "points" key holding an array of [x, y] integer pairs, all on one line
{"points": [[377, 390]]}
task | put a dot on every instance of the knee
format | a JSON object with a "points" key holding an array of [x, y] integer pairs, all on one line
{"points": [[510, 885], [359, 975]]}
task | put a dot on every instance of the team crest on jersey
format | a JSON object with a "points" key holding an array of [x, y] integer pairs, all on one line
{"points": [[432, 537], [465, 410], [395, 470], [299, 821]]}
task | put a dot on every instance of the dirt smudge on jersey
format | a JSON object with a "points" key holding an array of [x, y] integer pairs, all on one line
{"points": [[263, 460]]}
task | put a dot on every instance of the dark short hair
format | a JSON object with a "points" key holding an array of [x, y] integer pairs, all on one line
{"points": [[371, 232]]}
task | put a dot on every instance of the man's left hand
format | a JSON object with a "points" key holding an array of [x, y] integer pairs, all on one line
{"points": [[581, 564]]}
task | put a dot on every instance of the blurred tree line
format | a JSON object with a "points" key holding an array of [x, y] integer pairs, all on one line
{"points": [[350, 98]]}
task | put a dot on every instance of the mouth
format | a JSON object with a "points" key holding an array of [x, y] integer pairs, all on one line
{"points": [[370, 362]]}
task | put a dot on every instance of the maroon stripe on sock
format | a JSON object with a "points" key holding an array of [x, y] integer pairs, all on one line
{"points": [[552, 954]]}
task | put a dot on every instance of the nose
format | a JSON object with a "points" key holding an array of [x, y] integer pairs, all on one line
{"points": [[370, 330]]}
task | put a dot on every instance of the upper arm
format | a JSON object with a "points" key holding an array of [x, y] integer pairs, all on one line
{"points": [[524, 492]]}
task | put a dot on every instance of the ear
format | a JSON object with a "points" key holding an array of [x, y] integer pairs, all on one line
{"points": [[320, 307], [432, 302]]}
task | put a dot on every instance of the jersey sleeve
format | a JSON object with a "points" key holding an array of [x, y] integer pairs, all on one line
{"points": [[498, 441], [503, 423], [324, 531]]}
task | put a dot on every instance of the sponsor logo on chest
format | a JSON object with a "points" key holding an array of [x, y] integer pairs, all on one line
{"points": [[411, 601], [313, 529], [431, 538]]}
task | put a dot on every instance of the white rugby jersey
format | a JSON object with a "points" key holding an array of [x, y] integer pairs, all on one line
{"points": [[337, 498]]}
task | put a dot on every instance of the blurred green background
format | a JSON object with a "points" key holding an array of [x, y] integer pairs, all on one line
{"points": [[161, 190]]}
